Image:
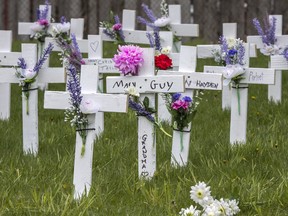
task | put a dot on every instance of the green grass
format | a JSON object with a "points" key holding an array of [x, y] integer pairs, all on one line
{"points": [[254, 173]]}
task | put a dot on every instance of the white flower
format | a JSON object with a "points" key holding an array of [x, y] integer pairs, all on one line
{"points": [[201, 194], [132, 91], [161, 22], [63, 27], [212, 210], [191, 211], [270, 50], [28, 73], [231, 42], [232, 71], [88, 106], [233, 204], [36, 27], [166, 50]]}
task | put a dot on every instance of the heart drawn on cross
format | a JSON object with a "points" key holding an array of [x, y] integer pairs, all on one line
{"points": [[94, 45]]}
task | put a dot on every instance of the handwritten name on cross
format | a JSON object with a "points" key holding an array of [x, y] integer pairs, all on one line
{"points": [[30, 119], [274, 91], [7, 58], [82, 179], [239, 100], [146, 84], [205, 51], [193, 80]]}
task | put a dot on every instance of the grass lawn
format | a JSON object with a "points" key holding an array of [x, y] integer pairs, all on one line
{"points": [[255, 173]]}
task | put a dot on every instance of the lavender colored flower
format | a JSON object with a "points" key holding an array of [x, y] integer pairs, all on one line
{"points": [[176, 96], [118, 28], [63, 19], [46, 52], [149, 13], [157, 40], [21, 63], [140, 110], [241, 54], [151, 39], [73, 86], [285, 53], [268, 33], [187, 99], [129, 59], [43, 14]]}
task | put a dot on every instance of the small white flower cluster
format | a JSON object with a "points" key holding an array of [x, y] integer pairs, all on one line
{"points": [[164, 8], [75, 116], [164, 50], [272, 49], [201, 195]]}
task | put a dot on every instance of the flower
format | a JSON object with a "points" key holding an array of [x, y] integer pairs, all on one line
{"points": [[28, 74], [163, 62], [166, 50], [132, 91], [161, 22], [129, 59], [201, 194], [113, 29], [271, 50], [231, 72], [88, 107], [181, 108], [191, 211], [268, 32]]}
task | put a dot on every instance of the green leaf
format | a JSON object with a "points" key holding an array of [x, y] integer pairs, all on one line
{"points": [[146, 102]]}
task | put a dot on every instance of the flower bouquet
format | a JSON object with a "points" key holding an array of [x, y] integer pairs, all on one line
{"points": [[201, 195], [113, 29], [27, 76]]}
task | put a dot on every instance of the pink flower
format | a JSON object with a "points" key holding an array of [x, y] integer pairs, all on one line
{"points": [[180, 104], [43, 22], [117, 27], [129, 59]]}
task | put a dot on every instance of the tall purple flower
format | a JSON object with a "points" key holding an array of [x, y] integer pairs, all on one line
{"points": [[268, 32], [46, 52], [118, 27], [129, 59], [73, 86], [225, 49], [140, 110]]}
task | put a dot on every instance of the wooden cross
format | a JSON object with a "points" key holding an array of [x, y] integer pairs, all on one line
{"points": [[136, 36], [205, 51], [7, 58], [178, 29], [30, 119], [239, 99], [147, 85], [274, 91], [82, 179], [193, 80]]}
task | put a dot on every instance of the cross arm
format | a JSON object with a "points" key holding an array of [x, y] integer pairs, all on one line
{"points": [[9, 58], [185, 30], [107, 102], [7, 75], [278, 62], [251, 75], [198, 80], [52, 75], [146, 84]]}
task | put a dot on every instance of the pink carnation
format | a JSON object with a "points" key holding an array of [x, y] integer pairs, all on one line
{"points": [[117, 27], [129, 59], [180, 104], [43, 22]]}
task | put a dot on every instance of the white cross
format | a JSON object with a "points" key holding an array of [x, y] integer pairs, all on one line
{"points": [[193, 80], [238, 122], [82, 179], [205, 51], [274, 91], [7, 58], [136, 36], [146, 84], [30, 119], [178, 29]]}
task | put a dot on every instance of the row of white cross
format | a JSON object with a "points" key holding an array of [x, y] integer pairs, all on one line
{"points": [[185, 79]]}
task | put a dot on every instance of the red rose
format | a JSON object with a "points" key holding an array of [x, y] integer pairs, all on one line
{"points": [[163, 62]]}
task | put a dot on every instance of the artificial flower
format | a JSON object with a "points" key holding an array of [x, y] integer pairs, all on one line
{"points": [[161, 22], [201, 194], [191, 211], [165, 50], [271, 50], [89, 106], [230, 72], [163, 62], [132, 91], [129, 59]]}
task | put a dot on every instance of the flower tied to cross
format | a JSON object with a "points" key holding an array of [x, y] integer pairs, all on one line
{"points": [[40, 28], [129, 59], [27, 76], [162, 59], [113, 29], [268, 36]]}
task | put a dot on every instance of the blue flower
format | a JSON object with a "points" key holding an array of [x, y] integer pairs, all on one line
{"points": [[187, 99], [232, 52], [176, 96]]}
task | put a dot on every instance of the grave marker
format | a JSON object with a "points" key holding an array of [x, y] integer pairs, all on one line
{"points": [[146, 84], [205, 51], [30, 119], [239, 100], [82, 179], [274, 91], [193, 80]]}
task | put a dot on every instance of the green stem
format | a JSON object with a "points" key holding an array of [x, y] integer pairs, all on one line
{"points": [[181, 140], [27, 105], [238, 95]]}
